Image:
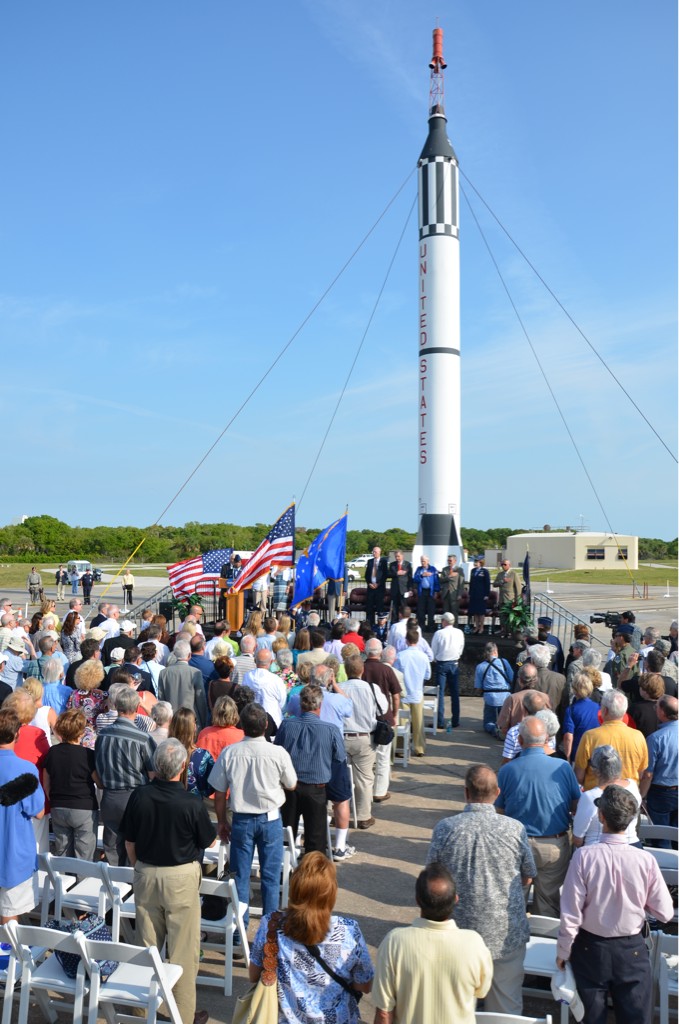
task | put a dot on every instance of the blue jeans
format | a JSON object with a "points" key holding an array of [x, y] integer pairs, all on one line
{"points": [[662, 807], [490, 714], [247, 832], [447, 680]]}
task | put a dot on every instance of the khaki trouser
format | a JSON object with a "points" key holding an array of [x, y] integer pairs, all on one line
{"points": [[361, 757], [506, 990], [417, 726], [168, 907], [551, 859]]}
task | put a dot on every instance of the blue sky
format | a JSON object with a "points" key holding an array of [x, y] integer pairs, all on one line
{"points": [[183, 181]]}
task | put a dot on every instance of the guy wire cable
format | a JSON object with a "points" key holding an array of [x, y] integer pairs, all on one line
{"points": [[565, 311], [358, 351], [287, 345], [546, 379]]}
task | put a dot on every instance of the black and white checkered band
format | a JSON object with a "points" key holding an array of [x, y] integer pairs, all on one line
{"points": [[437, 195]]}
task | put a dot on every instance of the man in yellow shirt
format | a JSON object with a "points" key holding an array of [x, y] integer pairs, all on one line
{"points": [[431, 971], [629, 743]]}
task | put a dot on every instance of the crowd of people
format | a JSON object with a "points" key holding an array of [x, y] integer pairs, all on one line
{"points": [[171, 742]]}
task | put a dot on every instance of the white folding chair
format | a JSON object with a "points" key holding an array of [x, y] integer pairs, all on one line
{"points": [[650, 834], [217, 854], [232, 922], [540, 958], [667, 859], [40, 977], [10, 972], [118, 882], [403, 732], [665, 973], [89, 894], [352, 802], [142, 980], [430, 706], [509, 1018]]}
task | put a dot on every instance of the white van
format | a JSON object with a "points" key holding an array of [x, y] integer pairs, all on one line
{"points": [[78, 565]]}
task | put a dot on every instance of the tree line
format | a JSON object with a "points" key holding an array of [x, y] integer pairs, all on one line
{"points": [[44, 538]]}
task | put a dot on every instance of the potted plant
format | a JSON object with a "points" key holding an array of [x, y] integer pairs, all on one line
{"points": [[517, 615]]}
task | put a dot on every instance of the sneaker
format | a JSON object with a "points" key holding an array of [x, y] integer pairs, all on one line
{"points": [[346, 854]]}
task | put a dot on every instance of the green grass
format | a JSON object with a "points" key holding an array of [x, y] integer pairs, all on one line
{"points": [[14, 576], [609, 577]]}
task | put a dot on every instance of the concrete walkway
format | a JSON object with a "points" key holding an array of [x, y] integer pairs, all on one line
{"points": [[377, 886]]}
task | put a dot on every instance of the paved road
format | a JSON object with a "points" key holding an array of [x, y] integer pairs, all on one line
{"points": [[581, 599]]}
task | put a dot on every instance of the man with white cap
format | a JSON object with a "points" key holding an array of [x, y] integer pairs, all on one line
{"points": [[15, 663]]}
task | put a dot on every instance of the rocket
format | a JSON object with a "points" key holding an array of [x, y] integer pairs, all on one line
{"points": [[438, 394]]}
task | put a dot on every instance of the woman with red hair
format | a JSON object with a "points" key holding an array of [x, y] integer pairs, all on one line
{"points": [[323, 962]]}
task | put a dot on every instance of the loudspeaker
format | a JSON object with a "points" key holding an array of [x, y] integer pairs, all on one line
{"points": [[165, 608]]}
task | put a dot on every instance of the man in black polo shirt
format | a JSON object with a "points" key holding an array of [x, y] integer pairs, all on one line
{"points": [[166, 829]]}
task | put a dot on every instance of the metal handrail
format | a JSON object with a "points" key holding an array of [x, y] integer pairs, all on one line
{"points": [[563, 621], [165, 594]]}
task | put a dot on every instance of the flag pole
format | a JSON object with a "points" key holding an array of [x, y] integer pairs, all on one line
{"points": [[344, 566]]}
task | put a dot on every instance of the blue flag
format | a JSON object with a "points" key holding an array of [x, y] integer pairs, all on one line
{"points": [[323, 561]]}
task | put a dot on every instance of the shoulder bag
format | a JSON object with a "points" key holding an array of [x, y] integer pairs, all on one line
{"points": [[383, 733], [259, 1005], [346, 985]]}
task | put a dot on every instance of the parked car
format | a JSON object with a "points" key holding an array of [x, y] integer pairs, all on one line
{"points": [[352, 575], [360, 562]]}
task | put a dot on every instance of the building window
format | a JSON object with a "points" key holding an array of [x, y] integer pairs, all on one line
{"points": [[595, 554], [622, 554]]}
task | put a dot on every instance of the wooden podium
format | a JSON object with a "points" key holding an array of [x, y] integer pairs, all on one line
{"points": [[234, 606]]}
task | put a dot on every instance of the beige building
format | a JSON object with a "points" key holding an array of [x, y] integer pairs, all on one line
{"points": [[575, 550]]}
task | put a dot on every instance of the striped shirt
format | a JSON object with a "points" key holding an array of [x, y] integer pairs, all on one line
{"points": [[242, 664], [313, 746], [123, 756], [363, 718], [142, 722]]}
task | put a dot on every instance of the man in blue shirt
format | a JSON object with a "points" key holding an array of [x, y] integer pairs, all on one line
{"points": [[541, 792], [493, 678], [21, 799], [659, 783], [314, 748], [426, 582]]}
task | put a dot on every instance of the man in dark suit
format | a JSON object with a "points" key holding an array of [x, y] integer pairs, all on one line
{"points": [[376, 572], [401, 575]]}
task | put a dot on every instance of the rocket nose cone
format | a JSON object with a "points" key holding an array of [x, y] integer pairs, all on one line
{"points": [[438, 143]]}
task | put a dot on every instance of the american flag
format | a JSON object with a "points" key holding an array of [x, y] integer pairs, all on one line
{"points": [[277, 548], [198, 575]]}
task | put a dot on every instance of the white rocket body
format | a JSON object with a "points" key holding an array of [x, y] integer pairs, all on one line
{"points": [[439, 426]]}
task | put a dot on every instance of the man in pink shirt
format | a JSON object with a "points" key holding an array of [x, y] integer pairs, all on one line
{"points": [[608, 889]]}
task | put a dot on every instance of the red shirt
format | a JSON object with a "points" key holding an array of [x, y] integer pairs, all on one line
{"points": [[215, 737], [32, 745], [354, 638]]}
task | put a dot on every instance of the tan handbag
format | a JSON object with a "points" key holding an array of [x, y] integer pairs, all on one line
{"points": [[259, 1005]]}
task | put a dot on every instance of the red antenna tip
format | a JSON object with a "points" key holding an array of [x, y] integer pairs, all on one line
{"points": [[437, 62]]}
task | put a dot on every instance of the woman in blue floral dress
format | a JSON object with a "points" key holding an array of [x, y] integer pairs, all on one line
{"points": [[307, 994]]}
